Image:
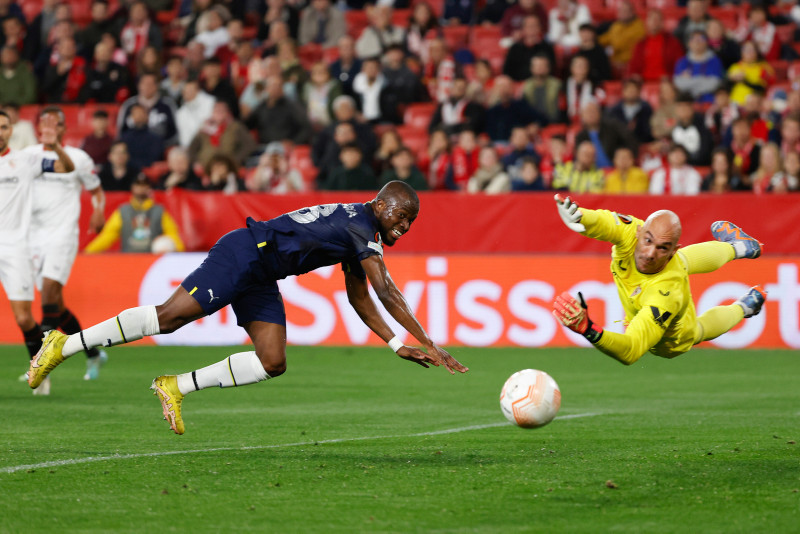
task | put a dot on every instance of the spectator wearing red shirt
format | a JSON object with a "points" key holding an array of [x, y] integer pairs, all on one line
{"points": [[139, 31], [654, 57], [464, 160]]}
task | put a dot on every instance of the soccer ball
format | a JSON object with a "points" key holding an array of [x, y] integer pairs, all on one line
{"points": [[530, 398]]}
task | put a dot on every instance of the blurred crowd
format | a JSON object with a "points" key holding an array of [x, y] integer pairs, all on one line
{"points": [[596, 96]]}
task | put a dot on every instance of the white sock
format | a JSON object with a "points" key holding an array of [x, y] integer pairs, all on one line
{"points": [[739, 249], [130, 325], [237, 369]]}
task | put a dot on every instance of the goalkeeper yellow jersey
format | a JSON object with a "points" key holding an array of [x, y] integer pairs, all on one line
{"points": [[659, 312]]}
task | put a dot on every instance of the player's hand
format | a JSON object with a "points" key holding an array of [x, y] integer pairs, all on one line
{"points": [[570, 213], [442, 357], [47, 130], [571, 313], [574, 315], [96, 221], [415, 355]]}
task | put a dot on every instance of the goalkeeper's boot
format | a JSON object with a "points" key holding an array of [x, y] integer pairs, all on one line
{"points": [[752, 302], [44, 387], [744, 245], [48, 357], [93, 365], [166, 389]]}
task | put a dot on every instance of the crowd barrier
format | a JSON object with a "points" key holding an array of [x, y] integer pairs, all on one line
{"points": [[461, 299], [461, 223]]}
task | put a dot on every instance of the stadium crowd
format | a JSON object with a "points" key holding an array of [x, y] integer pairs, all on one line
{"points": [[593, 96]]}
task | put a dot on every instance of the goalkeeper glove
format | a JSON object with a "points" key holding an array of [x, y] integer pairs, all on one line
{"points": [[570, 214], [574, 315]]}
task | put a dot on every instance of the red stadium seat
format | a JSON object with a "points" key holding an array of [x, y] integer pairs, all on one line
{"points": [[613, 89], [456, 37], [329, 55], [154, 171], [356, 21], [483, 36], [31, 9], [781, 68], [400, 17], [309, 54], [300, 159], [437, 5], [650, 93], [29, 112], [81, 12], [729, 16], [419, 115]]}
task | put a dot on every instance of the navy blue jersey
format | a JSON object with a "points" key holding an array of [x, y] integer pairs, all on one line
{"points": [[303, 240]]}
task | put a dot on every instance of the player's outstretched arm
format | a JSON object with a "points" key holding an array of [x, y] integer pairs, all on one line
{"points": [[570, 213], [626, 348], [396, 304]]}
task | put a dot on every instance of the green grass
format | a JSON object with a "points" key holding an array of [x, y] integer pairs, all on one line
{"points": [[702, 443]]}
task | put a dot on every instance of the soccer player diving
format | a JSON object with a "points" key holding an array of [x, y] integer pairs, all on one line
{"points": [[651, 271], [242, 268]]}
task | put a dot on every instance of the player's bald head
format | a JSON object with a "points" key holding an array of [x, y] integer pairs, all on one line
{"points": [[398, 192], [665, 223]]}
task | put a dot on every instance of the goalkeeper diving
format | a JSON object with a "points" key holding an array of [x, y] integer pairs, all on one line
{"points": [[651, 271]]}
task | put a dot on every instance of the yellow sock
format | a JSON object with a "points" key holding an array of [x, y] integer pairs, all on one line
{"points": [[717, 321], [708, 256]]}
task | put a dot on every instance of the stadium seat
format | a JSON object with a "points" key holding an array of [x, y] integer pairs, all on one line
{"points": [[309, 54], [438, 7], [456, 37], [154, 171], [650, 93], [613, 90], [29, 112], [483, 36], [81, 12], [31, 9], [729, 16], [300, 159], [400, 17], [356, 22], [419, 115], [329, 55], [781, 68]]}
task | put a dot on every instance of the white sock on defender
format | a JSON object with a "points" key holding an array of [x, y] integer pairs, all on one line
{"points": [[237, 369], [130, 325]]}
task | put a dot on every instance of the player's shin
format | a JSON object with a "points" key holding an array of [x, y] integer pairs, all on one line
{"points": [[33, 340], [69, 324], [130, 325], [237, 369]]}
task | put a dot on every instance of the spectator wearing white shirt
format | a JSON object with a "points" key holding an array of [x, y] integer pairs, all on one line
{"points": [[215, 35], [565, 20], [196, 108], [677, 178], [368, 85]]}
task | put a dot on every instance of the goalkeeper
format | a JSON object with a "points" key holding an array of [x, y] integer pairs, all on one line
{"points": [[652, 271]]}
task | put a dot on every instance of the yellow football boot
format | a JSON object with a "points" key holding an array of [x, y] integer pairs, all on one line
{"points": [[166, 389], [48, 357]]}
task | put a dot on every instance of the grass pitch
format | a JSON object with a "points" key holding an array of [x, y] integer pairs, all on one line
{"points": [[355, 439]]}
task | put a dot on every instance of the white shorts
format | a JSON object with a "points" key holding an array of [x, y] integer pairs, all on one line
{"points": [[16, 272], [53, 255]]}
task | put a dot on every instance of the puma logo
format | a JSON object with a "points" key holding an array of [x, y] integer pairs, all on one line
{"points": [[621, 268], [211, 292], [664, 293]]}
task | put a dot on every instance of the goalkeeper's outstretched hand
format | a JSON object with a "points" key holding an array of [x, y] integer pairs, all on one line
{"points": [[575, 316], [570, 213]]}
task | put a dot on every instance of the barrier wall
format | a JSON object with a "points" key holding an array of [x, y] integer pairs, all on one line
{"points": [[461, 299], [514, 223]]}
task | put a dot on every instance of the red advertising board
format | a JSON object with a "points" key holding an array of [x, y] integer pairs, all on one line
{"points": [[461, 299]]}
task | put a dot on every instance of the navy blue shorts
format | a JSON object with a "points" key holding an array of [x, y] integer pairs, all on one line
{"points": [[233, 273]]}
